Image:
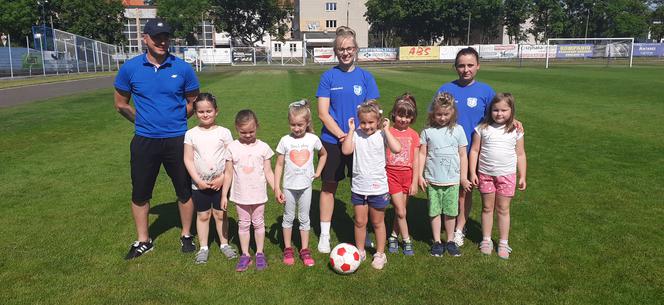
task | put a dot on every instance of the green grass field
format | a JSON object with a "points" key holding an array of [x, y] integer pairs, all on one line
{"points": [[587, 231]]}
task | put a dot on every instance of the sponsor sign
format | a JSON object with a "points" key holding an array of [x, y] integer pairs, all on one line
{"points": [[498, 51], [449, 52], [574, 50], [377, 54], [324, 55], [214, 56], [245, 56], [537, 51], [649, 49], [419, 53]]}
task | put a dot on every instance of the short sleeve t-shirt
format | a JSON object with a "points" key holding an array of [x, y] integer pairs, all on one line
{"points": [[443, 165], [369, 176], [471, 103], [410, 143], [158, 94], [498, 151], [209, 151], [298, 160], [248, 174], [346, 91]]}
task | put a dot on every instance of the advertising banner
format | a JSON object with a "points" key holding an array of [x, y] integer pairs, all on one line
{"points": [[324, 55], [419, 53], [213, 56], [377, 54], [245, 55], [537, 51], [649, 49], [449, 52], [498, 51], [574, 50]]}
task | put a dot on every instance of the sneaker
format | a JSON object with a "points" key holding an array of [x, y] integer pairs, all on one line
{"points": [[289, 256], [228, 251], [202, 256], [379, 260], [408, 248], [486, 247], [452, 249], [392, 244], [504, 251], [459, 238], [305, 256], [324, 244], [437, 249], [243, 263], [139, 248], [261, 262], [187, 243]]}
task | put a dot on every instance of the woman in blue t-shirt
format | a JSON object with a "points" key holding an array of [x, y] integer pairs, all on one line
{"points": [[340, 91]]}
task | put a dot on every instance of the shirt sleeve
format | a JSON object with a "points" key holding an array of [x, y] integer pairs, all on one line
{"points": [[122, 79], [461, 136], [268, 153], [317, 143], [191, 81], [372, 88], [229, 153], [227, 137], [324, 85], [423, 137], [281, 147], [416, 138], [188, 137]]}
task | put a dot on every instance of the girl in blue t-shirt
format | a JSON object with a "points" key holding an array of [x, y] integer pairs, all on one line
{"points": [[340, 91]]}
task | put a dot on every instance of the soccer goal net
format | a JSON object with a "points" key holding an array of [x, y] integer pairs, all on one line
{"points": [[603, 51]]}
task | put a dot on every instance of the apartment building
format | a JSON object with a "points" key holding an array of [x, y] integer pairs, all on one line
{"points": [[317, 20]]}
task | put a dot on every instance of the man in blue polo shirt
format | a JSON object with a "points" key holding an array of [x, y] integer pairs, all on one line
{"points": [[163, 88]]}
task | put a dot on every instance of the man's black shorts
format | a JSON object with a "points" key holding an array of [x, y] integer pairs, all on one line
{"points": [[338, 166], [147, 156]]}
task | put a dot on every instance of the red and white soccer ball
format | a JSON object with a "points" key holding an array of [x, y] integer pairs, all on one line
{"points": [[345, 258]]}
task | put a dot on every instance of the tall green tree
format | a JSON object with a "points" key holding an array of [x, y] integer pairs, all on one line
{"points": [[621, 18], [516, 12], [250, 21], [17, 18], [488, 19], [185, 17], [548, 19], [657, 24], [101, 20]]}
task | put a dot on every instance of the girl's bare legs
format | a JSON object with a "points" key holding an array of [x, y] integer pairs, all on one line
{"points": [[327, 201], [203, 227], [378, 222], [221, 223], [503, 209], [450, 221], [361, 217], [488, 204], [465, 203], [435, 228], [400, 201]]}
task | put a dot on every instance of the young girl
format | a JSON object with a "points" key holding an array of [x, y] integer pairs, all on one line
{"points": [[296, 152], [247, 170], [401, 169], [204, 153], [369, 191], [498, 145], [443, 166]]}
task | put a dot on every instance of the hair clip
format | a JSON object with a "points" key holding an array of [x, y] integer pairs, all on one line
{"points": [[299, 103]]}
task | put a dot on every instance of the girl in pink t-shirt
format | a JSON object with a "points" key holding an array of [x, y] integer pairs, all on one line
{"points": [[401, 176], [248, 169], [498, 149]]}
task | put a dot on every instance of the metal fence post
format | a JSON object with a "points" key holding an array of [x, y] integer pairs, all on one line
{"points": [[85, 51], [11, 65], [78, 68]]}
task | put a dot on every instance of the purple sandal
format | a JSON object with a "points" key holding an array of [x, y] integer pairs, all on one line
{"points": [[261, 262], [243, 264]]}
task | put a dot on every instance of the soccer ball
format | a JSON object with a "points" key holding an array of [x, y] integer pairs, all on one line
{"points": [[345, 258]]}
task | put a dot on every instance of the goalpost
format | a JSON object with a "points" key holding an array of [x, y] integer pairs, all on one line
{"points": [[589, 48]]}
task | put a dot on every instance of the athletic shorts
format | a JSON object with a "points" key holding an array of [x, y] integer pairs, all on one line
{"points": [[374, 201], [147, 156], [338, 166], [501, 185], [206, 200], [443, 200], [399, 181]]}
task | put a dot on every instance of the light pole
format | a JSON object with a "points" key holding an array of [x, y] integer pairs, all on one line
{"points": [[41, 46]]}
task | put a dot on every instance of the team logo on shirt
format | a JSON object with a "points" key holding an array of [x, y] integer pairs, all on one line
{"points": [[471, 102], [174, 76], [357, 89]]}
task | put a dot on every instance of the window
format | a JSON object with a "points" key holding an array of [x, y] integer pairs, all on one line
{"points": [[277, 47], [330, 6], [330, 23], [293, 47]]}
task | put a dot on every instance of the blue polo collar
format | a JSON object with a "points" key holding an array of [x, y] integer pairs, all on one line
{"points": [[167, 62]]}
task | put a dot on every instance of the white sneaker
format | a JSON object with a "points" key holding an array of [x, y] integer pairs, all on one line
{"points": [[379, 260], [458, 238], [324, 244]]}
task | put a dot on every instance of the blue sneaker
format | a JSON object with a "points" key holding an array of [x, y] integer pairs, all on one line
{"points": [[437, 249], [452, 249], [392, 244], [408, 248]]}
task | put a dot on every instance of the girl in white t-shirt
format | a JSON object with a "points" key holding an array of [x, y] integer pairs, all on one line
{"points": [[248, 170], [295, 160], [369, 192], [204, 156], [499, 148]]}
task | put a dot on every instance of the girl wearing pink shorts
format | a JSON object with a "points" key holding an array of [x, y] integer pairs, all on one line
{"points": [[499, 148]]}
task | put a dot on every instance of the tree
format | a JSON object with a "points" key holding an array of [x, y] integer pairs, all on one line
{"points": [[516, 14], [657, 24], [621, 18], [488, 19], [250, 21], [184, 16], [548, 19], [17, 17], [101, 20]]}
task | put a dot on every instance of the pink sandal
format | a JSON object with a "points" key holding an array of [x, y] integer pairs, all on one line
{"points": [[305, 256]]}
